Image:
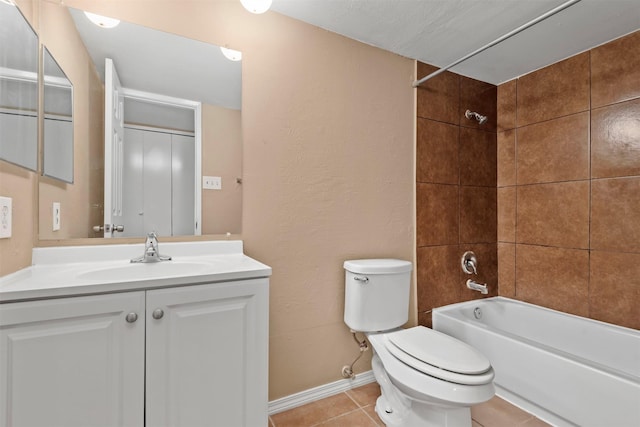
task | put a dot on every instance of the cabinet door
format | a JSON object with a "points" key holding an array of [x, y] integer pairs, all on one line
{"points": [[72, 362], [207, 356]]}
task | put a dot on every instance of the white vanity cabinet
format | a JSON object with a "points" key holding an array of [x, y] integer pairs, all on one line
{"points": [[207, 355], [178, 356], [72, 362]]}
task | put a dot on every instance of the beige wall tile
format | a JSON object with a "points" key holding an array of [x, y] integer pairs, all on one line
{"points": [[506, 158], [439, 97], [614, 289], [507, 270], [478, 214], [554, 214], [554, 150], [478, 157], [615, 214], [554, 91], [553, 277], [507, 105], [507, 214], [437, 151], [615, 71], [615, 140], [479, 97], [439, 275], [487, 255], [437, 214]]}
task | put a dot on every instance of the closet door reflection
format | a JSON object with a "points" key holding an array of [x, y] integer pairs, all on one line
{"points": [[158, 183]]}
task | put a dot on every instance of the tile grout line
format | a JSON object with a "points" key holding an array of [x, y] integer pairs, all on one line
{"points": [[338, 416], [352, 399], [590, 184], [362, 407], [370, 417]]}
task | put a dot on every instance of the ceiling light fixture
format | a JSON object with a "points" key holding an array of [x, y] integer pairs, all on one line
{"points": [[256, 6], [230, 54], [102, 21]]}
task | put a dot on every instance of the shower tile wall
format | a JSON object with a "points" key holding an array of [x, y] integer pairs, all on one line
{"points": [[568, 154], [456, 188]]}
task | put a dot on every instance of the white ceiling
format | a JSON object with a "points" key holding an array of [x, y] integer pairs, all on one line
{"points": [[439, 32], [162, 63]]}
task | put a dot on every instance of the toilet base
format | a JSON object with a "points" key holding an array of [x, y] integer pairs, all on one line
{"points": [[398, 410], [423, 415]]}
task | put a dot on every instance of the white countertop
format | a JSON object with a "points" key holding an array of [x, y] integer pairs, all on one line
{"points": [[85, 270]]}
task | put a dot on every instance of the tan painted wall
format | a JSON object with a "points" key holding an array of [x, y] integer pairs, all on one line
{"points": [[328, 167], [222, 156]]}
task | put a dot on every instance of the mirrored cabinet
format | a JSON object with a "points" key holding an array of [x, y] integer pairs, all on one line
{"points": [[55, 111], [57, 161], [18, 89]]}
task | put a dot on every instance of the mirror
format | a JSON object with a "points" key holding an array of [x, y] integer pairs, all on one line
{"points": [[173, 90], [57, 159], [18, 89]]}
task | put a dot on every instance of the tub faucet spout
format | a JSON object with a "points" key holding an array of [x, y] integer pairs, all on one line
{"points": [[480, 287]]}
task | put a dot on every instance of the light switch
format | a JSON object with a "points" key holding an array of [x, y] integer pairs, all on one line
{"points": [[56, 216], [212, 182], [5, 217]]}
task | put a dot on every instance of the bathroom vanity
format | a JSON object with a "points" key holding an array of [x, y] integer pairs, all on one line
{"points": [[89, 339]]}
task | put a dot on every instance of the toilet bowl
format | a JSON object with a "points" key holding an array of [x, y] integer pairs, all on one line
{"points": [[426, 378]]}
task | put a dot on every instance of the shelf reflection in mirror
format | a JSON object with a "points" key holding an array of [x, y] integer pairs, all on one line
{"points": [[18, 89]]}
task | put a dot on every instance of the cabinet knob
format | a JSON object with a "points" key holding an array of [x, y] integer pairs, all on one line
{"points": [[132, 317], [157, 313]]}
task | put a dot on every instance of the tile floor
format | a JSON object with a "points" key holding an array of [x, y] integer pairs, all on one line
{"points": [[355, 408]]}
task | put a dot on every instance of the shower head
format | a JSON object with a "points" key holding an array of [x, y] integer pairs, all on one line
{"points": [[479, 117]]}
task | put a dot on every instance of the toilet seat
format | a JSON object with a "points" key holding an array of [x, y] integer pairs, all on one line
{"points": [[424, 387], [438, 355]]}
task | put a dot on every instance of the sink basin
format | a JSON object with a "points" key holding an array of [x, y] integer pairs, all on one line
{"points": [[141, 271]]}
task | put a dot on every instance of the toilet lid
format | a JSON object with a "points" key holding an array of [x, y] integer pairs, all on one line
{"points": [[433, 352]]}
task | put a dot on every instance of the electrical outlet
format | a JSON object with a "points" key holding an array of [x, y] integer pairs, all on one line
{"points": [[5, 217], [212, 182], [56, 216]]}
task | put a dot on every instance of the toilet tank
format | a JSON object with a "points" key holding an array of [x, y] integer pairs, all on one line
{"points": [[376, 294]]}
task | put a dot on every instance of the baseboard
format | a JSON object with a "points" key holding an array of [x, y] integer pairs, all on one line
{"points": [[320, 392]]}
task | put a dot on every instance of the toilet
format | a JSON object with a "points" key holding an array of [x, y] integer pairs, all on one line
{"points": [[426, 378]]}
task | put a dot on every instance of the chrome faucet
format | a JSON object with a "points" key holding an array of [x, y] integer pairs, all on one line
{"points": [[151, 252], [469, 263], [480, 287]]}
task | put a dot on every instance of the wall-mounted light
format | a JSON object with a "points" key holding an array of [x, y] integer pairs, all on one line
{"points": [[102, 21], [230, 54], [256, 6]]}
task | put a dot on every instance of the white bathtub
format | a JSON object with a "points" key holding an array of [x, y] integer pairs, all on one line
{"points": [[565, 369]]}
